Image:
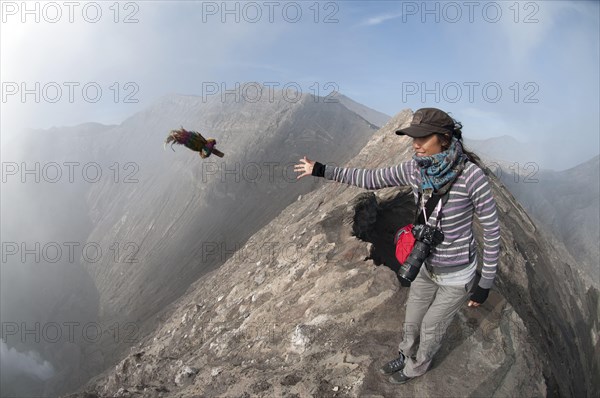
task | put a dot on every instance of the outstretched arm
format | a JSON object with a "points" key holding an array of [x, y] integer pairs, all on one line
{"points": [[402, 174]]}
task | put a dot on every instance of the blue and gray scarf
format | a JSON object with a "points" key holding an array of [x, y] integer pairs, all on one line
{"points": [[440, 170]]}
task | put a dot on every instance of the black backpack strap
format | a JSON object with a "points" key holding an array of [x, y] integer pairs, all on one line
{"points": [[429, 206]]}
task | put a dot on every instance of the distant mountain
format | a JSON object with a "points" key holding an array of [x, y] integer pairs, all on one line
{"points": [[161, 218], [506, 150], [377, 118], [185, 211], [566, 203]]}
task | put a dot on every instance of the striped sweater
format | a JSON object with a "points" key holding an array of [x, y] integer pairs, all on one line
{"points": [[469, 194]]}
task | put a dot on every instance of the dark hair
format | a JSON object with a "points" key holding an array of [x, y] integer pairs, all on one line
{"points": [[445, 141]]}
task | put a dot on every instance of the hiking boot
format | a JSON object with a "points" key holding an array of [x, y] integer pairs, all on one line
{"points": [[394, 365], [399, 378]]}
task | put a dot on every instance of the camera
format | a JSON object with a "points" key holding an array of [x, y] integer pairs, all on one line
{"points": [[426, 238]]}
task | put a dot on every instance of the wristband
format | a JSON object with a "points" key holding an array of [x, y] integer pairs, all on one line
{"points": [[480, 295], [318, 170]]}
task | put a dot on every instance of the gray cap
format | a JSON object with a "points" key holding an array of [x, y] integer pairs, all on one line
{"points": [[428, 121]]}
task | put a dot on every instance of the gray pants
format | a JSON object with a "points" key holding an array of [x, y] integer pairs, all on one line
{"points": [[429, 310]]}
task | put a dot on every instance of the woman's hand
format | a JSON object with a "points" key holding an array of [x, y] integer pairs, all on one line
{"points": [[473, 303], [306, 167], [478, 297]]}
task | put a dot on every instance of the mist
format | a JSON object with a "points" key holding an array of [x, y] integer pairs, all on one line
{"points": [[14, 363]]}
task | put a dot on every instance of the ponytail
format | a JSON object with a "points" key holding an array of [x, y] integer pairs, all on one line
{"points": [[445, 139], [473, 157]]}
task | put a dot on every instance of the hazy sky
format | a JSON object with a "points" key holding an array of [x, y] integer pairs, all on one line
{"points": [[526, 69]]}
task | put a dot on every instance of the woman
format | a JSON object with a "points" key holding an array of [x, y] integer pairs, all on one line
{"points": [[440, 165]]}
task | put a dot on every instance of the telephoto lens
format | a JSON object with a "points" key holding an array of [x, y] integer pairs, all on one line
{"points": [[426, 237], [410, 269]]}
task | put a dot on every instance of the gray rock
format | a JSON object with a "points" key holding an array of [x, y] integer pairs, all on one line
{"points": [[185, 376]]}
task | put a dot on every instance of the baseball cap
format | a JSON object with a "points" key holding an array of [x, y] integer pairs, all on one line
{"points": [[428, 121]]}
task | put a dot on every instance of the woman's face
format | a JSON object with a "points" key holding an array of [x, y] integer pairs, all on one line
{"points": [[427, 146]]}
